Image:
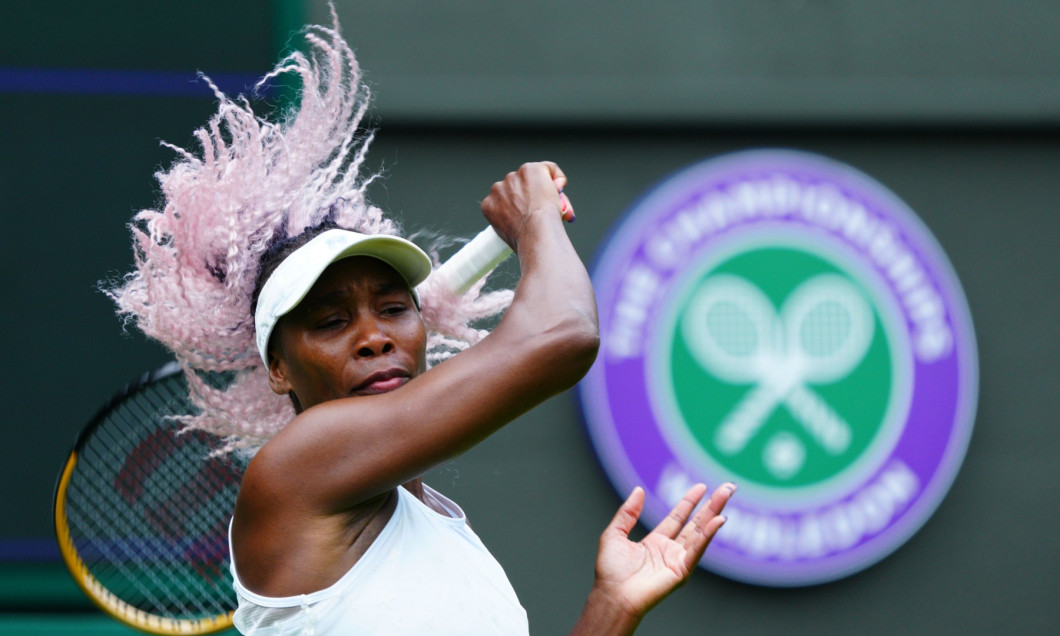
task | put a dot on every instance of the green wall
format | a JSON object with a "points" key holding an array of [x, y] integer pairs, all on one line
{"points": [[684, 62]]}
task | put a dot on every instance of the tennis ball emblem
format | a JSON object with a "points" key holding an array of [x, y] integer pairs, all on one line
{"points": [[783, 321]]}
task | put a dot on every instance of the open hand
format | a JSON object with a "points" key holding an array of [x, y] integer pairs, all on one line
{"points": [[635, 576]]}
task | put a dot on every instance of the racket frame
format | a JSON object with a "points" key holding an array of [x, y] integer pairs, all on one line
{"points": [[82, 575]]}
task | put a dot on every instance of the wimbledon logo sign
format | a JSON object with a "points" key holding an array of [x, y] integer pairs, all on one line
{"points": [[782, 320]]}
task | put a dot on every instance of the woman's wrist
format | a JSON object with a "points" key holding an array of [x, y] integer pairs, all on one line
{"points": [[604, 614]]}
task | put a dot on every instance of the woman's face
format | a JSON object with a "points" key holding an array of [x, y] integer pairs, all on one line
{"points": [[357, 332]]}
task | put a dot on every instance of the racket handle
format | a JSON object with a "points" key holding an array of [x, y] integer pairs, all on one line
{"points": [[478, 258], [473, 261]]}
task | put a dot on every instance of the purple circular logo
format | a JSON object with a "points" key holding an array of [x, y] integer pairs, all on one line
{"points": [[781, 320]]}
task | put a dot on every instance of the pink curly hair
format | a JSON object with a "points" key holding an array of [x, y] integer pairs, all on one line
{"points": [[257, 183]]}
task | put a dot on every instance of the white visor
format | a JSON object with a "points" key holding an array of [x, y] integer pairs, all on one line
{"points": [[295, 276]]}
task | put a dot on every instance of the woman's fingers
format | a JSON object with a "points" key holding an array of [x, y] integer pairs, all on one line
{"points": [[628, 513], [566, 209], [720, 498], [558, 177], [677, 518], [531, 187], [696, 535]]}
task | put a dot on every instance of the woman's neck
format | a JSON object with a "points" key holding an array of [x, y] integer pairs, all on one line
{"points": [[415, 487]]}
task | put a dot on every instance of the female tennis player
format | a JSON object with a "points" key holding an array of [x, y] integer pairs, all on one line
{"points": [[267, 249]]}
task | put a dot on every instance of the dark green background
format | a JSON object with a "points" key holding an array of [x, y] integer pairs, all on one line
{"points": [[953, 105]]}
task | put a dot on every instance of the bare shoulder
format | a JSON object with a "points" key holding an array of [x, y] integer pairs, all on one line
{"points": [[283, 468], [284, 544]]}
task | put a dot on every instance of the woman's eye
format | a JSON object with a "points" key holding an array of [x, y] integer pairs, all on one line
{"points": [[392, 310], [330, 323]]}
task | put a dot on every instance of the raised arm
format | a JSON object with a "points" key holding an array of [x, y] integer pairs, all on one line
{"points": [[348, 450], [554, 300]]}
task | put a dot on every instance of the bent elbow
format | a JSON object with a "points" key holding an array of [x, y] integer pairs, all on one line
{"points": [[550, 352], [586, 347], [575, 345]]}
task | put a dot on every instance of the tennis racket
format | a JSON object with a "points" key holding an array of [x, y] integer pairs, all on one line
{"points": [[141, 510]]}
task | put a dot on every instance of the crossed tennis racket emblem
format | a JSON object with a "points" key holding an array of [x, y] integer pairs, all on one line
{"points": [[821, 333]]}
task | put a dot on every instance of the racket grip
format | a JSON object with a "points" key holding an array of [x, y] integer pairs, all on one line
{"points": [[473, 261], [479, 256]]}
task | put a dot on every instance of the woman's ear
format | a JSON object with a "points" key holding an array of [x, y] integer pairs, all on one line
{"points": [[278, 375]]}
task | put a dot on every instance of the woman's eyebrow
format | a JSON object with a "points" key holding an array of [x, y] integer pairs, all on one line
{"points": [[389, 287], [330, 299], [341, 294]]}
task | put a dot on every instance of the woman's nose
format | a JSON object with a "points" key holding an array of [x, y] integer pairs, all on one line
{"points": [[374, 341]]}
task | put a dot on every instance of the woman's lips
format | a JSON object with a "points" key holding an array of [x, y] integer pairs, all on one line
{"points": [[381, 383]]}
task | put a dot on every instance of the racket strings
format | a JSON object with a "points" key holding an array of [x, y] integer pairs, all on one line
{"points": [[118, 566], [144, 566], [147, 508], [116, 555]]}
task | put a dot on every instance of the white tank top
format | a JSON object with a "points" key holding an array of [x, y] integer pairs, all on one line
{"points": [[426, 573]]}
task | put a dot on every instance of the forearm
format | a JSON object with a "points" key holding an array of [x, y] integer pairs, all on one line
{"points": [[554, 299], [554, 292]]}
